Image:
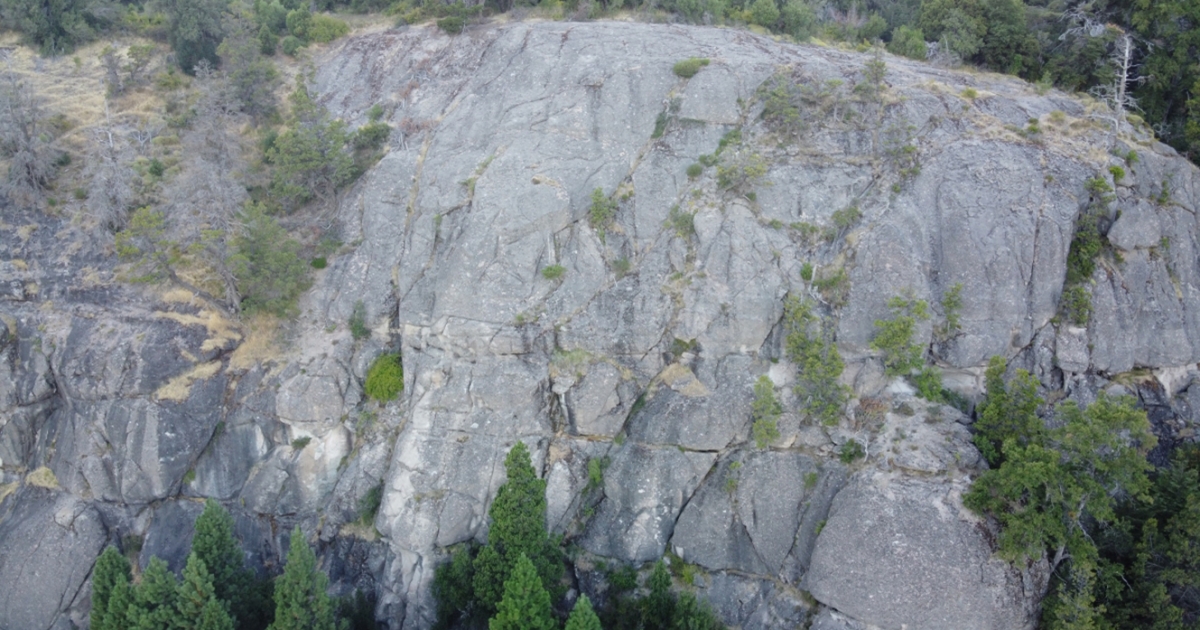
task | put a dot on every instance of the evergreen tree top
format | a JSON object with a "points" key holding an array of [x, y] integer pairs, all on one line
{"points": [[526, 604], [583, 617]]}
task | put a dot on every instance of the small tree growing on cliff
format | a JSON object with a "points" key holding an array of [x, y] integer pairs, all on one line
{"points": [[526, 604], [301, 602], [1056, 488], [111, 567], [518, 527]]}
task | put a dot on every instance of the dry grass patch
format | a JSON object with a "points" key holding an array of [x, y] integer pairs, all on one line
{"points": [[222, 331], [43, 478], [261, 344], [178, 388]]}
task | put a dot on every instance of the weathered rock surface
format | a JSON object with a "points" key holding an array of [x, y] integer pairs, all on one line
{"points": [[898, 554], [50, 540], [643, 352]]}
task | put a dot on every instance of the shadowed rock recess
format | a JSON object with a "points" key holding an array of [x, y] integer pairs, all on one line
{"points": [[820, 181]]}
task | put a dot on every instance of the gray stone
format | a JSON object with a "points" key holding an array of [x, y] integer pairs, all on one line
{"points": [[901, 552], [50, 541], [746, 518], [829, 619], [644, 490]]}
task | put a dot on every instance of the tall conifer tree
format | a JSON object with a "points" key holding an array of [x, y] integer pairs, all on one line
{"points": [[300, 599], [110, 567], [526, 604]]}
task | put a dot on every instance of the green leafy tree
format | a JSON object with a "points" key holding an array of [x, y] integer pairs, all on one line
{"points": [[583, 617], [1008, 411], [110, 568], [214, 617], [195, 30], [453, 588], [153, 605], [311, 157], [659, 605], [810, 346], [958, 24], [764, 13], [266, 262], [301, 602], [116, 614], [526, 604], [54, 26], [908, 41], [894, 337], [251, 76], [693, 614], [1153, 553], [765, 411], [518, 527], [1052, 494], [799, 19], [1169, 70]]}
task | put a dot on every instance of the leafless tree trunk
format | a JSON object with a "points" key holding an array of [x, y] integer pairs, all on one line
{"points": [[203, 200], [23, 141], [110, 176]]}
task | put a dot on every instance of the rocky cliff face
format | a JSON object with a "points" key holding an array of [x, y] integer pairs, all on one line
{"points": [[119, 407]]}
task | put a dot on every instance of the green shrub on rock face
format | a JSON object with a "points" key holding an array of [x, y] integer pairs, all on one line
{"points": [[452, 25], [385, 378], [689, 67]]}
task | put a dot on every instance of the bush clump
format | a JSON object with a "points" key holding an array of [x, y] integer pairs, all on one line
{"points": [[452, 25], [553, 272], [385, 378], [894, 337], [689, 67]]}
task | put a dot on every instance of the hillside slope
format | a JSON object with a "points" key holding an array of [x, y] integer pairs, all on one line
{"points": [[630, 331]]}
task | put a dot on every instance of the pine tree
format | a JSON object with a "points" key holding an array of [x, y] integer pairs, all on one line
{"points": [[526, 604], [582, 616], [117, 611], [659, 605], [214, 544], [197, 602], [153, 605], [213, 617], [300, 599], [518, 527], [110, 567]]}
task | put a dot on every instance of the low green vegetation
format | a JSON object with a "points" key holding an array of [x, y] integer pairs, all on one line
{"points": [[689, 67], [368, 505], [385, 378], [553, 272], [809, 345], [851, 451], [894, 336], [951, 323], [602, 212], [516, 578], [765, 412], [358, 322], [217, 591], [1071, 489]]}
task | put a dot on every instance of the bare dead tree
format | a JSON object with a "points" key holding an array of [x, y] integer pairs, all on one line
{"points": [[23, 140], [202, 201], [110, 175], [1116, 95]]}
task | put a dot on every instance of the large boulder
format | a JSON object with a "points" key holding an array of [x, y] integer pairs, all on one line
{"points": [[900, 552]]}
